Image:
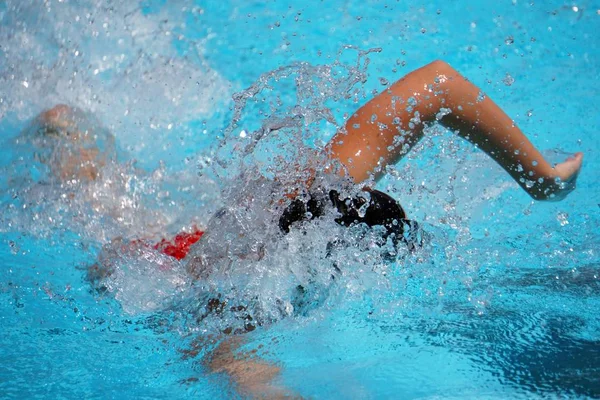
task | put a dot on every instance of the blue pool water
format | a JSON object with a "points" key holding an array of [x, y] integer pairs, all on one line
{"points": [[502, 303]]}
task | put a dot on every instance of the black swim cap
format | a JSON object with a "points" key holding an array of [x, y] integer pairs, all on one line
{"points": [[374, 209]]}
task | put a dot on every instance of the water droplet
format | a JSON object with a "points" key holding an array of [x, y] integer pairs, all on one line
{"points": [[563, 218], [508, 80], [442, 113], [509, 40], [14, 249], [384, 81]]}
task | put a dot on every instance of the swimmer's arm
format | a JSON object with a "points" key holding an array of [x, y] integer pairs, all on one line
{"points": [[387, 127], [254, 377]]}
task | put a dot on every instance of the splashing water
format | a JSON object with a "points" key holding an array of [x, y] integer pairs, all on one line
{"points": [[48, 192], [508, 286], [243, 272], [130, 65]]}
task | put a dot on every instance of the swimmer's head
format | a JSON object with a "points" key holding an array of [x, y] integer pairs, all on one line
{"points": [[71, 143]]}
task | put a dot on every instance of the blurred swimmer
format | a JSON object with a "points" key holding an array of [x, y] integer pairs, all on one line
{"points": [[71, 144], [377, 134]]}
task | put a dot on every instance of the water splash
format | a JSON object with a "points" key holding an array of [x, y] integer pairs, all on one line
{"points": [[131, 65]]}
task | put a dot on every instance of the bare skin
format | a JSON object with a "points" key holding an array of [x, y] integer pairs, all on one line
{"points": [[388, 126], [81, 160], [254, 377], [59, 116], [380, 133]]}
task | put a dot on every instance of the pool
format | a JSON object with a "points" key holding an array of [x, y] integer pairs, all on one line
{"points": [[503, 302]]}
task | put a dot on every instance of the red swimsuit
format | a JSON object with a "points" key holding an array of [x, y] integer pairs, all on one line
{"points": [[180, 245]]}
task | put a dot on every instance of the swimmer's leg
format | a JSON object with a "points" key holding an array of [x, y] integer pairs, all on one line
{"points": [[388, 126]]}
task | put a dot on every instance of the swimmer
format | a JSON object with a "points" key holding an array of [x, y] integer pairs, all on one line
{"points": [[384, 130], [378, 134]]}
